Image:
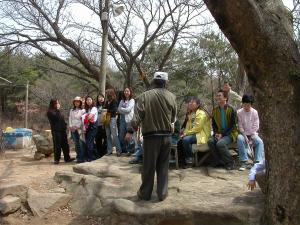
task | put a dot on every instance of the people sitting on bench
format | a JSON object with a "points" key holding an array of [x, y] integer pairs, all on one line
{"points": [[224, 132], [196, 131], [248, 124]]}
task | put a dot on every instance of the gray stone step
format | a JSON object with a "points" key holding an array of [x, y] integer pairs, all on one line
{"points": [[9, 204]]}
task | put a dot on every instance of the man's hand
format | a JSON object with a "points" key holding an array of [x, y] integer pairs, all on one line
{"points": [[251, 185]]}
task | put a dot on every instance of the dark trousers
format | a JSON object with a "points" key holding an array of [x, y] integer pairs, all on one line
{"points": [[60, 142], [100, 139], [219, 150], [181, 153], [89, 140], [156, 158]]}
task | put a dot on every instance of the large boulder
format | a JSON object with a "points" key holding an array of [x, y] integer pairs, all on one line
{"points": [[107, 188], [43, 144]]}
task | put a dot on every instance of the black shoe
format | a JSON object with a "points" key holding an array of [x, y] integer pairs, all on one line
{"points": [[135, 161], [110, 153], [216, 165], [229, 167], [141, 197], [161, 198], [70, 160], [56, 162]]}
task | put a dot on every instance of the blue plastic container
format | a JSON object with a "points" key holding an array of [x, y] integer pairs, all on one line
{"points": [[18, 138]]}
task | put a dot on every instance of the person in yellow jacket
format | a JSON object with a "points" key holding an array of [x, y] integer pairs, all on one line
{"points": [[197, 129]]}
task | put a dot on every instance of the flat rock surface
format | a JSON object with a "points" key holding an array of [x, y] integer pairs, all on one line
{"points": [[9, 204], [43, 203], [13, 189], [107, 188]]}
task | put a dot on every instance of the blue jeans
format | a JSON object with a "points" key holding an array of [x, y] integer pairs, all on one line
{"points": [[122, 133], [112, 137], [257, 144], [139, 152], [78, 146], [220, 150], [89, 138], [187, 142]]}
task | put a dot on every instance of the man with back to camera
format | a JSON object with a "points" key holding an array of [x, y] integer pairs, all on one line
{"points": [[155, 111]]}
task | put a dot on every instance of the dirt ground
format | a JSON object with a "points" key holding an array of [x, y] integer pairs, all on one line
{"points": [[19, 166]]}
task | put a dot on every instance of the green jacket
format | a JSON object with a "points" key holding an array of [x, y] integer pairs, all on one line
{"points": [[230, 117], [155, 110]]}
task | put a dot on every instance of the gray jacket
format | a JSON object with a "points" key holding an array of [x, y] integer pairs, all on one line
{"points": [[155, 111]]}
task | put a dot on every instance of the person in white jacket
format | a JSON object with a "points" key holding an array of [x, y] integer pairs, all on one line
{"points": [[75, 125], [126, 111], [258, 174]]}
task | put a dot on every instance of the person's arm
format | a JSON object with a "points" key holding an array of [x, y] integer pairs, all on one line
{"points": [[53, 115], [240, 122], [235, 96], [70, 120], [174, 111], [254, 170], [255, 125], [128, 109], [113, 107], [139, 112], [214, 124]]}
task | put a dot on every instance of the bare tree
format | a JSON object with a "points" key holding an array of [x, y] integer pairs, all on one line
{"points": [[144, 22], [48, 27]]}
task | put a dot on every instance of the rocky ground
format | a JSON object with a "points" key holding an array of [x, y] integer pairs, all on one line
{"points": [[104, 192], [19, 167]]}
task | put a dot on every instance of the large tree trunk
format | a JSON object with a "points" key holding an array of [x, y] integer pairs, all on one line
{"points": [[241, 80], [260, 32]]}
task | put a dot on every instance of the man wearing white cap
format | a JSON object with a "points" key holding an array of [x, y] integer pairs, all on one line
{"points": [[155, 111]]}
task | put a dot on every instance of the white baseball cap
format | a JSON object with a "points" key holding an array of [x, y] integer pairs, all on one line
{"points": [[160, 76]]}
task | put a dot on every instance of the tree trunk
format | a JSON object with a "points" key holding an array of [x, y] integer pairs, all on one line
{"points": [[261, 33], [241, 83]]}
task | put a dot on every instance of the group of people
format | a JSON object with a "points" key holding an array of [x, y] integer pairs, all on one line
{"points": [[154, 113], [93, 126], [228, 126]]}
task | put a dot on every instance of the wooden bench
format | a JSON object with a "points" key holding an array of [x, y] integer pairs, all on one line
{"points": [[204, 149]]}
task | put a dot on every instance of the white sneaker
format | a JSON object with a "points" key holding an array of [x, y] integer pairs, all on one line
{"points": [[189, 160], [243, 167]]}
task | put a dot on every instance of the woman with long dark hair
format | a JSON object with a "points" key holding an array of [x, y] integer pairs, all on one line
{"points": [[125, 109], [59, 132], [90, 126], [111, 107], [101, 134], [196, 131]]}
